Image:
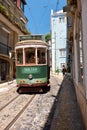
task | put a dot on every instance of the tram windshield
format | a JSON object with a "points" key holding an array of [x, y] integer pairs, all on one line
{"points": [[19, 56], [31, 56]]}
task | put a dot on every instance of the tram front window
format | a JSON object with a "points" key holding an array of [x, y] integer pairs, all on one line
{"points": [[41, 56], [30, 55], [20, 56]]}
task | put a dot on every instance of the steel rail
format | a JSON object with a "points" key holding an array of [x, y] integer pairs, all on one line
{"points": [[19, 114], [9, 102]]}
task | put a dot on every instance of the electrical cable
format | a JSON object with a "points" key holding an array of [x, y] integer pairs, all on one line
{"points": [[42, 16], [32, 17]]}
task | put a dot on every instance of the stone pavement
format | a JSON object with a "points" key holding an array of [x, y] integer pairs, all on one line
{"points": [[67, 115]]}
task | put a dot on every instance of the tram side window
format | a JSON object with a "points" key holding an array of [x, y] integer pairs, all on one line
{"points": [[41, 56], [20, 56], [30, 55]]}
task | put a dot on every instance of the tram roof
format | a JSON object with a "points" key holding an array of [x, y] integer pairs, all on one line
{"points": [[31, 42], [31, 37]]}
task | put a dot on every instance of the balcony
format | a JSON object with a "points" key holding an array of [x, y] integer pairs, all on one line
{"points": [[14, 18]]}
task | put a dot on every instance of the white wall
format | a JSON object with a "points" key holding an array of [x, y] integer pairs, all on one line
{"points": [[58, 38], [84, 26]]}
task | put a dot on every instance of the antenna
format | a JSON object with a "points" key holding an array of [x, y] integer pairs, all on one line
{"points": [[57, 4]]}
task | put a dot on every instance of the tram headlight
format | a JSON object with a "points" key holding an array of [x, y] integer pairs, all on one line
{"points": [[30, 76]]}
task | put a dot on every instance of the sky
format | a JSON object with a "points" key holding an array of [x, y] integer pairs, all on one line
{"points": [[38, 14]]}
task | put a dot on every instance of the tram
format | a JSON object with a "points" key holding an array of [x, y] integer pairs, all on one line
{"points": [[32, 64]]}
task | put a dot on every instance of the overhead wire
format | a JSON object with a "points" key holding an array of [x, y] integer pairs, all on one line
{"points": [[44, 13], [47, 8], [62, 2], [42, 16], [32, 17]]}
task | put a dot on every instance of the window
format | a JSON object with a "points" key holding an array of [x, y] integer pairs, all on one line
{"points": [[20, 56], [15, 1], [54, 22], [81, 55], [61, 19], [41, 57], [79, 50], [30, 56], [69, 22], [22, 5], [4, 42], [62, 52]]}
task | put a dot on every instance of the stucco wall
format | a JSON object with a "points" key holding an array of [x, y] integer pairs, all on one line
{"points": [[58, 38], [81, 88]]}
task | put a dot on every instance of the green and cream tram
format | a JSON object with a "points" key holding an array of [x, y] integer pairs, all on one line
{"points": [[32, 65]]}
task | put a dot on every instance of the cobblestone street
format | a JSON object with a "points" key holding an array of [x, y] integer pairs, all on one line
{"points": [[54, 110], [37, 116]]}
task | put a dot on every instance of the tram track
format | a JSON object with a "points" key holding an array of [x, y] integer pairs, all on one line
{"points": [[8, 97], [29, 111], [9, 102], [19, 114]]}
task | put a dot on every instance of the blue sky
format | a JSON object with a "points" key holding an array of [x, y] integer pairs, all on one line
{"points": [[38, 14]]}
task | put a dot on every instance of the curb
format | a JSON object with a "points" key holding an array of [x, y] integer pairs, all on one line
{"points": [[7, 83]]}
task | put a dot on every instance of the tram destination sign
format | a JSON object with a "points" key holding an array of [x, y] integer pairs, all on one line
{"points": [[31, 37], [30, 70]]}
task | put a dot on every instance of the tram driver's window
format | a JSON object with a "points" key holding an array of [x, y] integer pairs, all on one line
{"points": [[30, 55], [20, 56], [41, 58]]}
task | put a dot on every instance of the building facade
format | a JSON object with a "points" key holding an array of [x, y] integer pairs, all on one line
{"points": [[77, 10], [12, 23], [58, 39]]}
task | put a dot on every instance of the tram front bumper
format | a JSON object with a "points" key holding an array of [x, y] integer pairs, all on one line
{"points": [[32, 85]]}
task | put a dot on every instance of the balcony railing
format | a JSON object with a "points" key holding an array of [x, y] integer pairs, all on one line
{"points": [[7, 12]]}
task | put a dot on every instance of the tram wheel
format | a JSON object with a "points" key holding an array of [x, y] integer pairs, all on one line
{"points": [[46, 89], [19, 90]]}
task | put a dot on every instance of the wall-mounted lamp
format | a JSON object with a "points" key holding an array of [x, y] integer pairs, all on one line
{"points": [[10, 54], [23, 20]]}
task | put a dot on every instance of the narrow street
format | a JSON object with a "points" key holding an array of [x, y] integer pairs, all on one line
{"points": [[28, 111], [54, 110]]}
